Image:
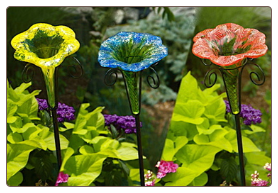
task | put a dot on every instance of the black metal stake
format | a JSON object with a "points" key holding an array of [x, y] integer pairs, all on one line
{"points": [[240, 151], [27, 75], [261, 78], [56, 137], [140, 150], [55, 122], [109, 79], [137, 121]]}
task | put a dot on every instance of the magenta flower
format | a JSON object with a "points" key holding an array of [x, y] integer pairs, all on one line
{"points": [[149, 178], [62, 178], [256, 181], [165, 167], [150, 183], [259, 182], [267, 166]]}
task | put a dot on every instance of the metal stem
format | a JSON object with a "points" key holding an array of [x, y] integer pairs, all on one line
{"points": [[232, 97], [55, 123], [260, 80], [133, 86], [240, 151], [140, 150], [56, 137], [54, 118]]}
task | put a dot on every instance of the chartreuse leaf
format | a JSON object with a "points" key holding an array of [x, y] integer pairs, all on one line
{"points": [[37, 136], [189, 112], [88, 123], [200, 180], [69, 152], [16, 179], [248, 145], [21, 103], [83, 169], [11, 108], [126, 151], [172, 147], [17, 157], [189, 90], [216, 138], [182, 177], [50, 141], [86, 149], [199, 158], [216, 110], [111, 148]]}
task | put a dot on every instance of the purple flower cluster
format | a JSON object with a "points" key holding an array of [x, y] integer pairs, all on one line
{"points": [[42, 104], [248, 113], [127, 123], [64, 112]]}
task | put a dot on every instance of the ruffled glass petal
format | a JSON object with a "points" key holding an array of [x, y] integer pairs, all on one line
{"points": [[131, 51]]}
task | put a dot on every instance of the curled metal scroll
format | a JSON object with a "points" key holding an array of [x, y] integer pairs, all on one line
{"points": [[153, 82], [210, 78], [256, 78], [204, 62], [75, 69], [27, 73], [111, 76]]}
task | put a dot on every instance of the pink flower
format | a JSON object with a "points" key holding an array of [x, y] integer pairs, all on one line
{"points": [[259, 182], [149, 183], [165, 167], [267, 166], [149, 178], [160, 175], [256, 181], [61, 178], [255, 175]]}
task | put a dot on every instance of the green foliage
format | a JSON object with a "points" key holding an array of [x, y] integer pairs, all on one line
{"points": [[91, 148], [24, 135], [166, 11], [244, 16], [201, 139], [90, 154]]}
